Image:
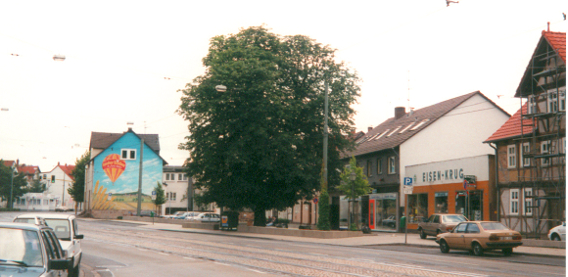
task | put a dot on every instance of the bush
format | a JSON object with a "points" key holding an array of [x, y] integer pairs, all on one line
{"points": [[119, 217], [353, 227]]}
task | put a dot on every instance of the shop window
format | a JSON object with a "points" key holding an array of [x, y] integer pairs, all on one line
{"points": [[441, 201], [514, 202], [511, 156], [417, 207]]}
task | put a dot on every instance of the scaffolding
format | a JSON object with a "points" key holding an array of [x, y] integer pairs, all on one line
{"points": [[541, 172]]}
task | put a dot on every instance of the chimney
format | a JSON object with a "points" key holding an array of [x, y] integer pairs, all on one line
{"points": [[399, 112], [548, 26], [369, 128]]}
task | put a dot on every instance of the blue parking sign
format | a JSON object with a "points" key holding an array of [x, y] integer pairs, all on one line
{"points": [[407, 181]]}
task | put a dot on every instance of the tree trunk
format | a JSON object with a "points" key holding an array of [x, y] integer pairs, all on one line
{"points": [[259, 217]]}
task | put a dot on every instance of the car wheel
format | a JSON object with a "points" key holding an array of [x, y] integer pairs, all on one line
{"points": [[422, 234], [444, 246], [477, 249], [555, 237], [507, 251]]}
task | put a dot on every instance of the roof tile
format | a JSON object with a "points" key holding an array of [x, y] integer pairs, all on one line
{"points": [[512, 127]]}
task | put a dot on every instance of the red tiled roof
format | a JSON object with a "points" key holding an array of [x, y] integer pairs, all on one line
{"points": [[9, 163], [67, 169], [512, 127], [557, 41], [28, 169]]}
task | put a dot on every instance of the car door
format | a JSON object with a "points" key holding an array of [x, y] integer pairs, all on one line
{"points": [[430, 227], [456, 238], [472, 232], [53, 251]]}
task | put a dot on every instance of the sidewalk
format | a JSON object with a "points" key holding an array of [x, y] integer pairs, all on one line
{"points": [[530, 246]]}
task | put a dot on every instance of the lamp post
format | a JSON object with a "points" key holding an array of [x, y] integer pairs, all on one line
{"points": [[11, 187]]}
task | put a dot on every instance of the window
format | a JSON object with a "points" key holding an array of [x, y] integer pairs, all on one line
{"points": [[384, 133], [407, 127], [180, 176], [461, 228], [379, 166], [472, 228], [562, 98], [525, 150], [394, 131], [369, 163], [552, 101], [514, 202], [441, 201], [128, 154], [392, 165], [511, 156], [528, 201], [167, 176], [420, 124], [532, 104], [545, 149]]}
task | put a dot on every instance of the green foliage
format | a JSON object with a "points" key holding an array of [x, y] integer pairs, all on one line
{"points": [[36, 187], [160, 195], [258, 144], [353, 227], [6, 188], [324, 212], [357, 188], [77, 189]]}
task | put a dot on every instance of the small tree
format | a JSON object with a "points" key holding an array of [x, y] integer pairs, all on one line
{"points": [[11, 187], [354, 189], [160, 195], [36, 187], [77, 189]]}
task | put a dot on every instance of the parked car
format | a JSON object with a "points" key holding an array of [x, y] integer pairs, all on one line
{"points": [[389, 222], [206, 217], [178, 213], [63, 209], [67, 232], [439, 223], [558, 233], [189, 215], [478, 236], [23, 251], [146, 213]]}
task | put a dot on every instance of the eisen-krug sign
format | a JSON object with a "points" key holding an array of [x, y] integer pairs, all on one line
{"points": [[448, 172]]}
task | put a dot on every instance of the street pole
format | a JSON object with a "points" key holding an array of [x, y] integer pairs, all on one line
{"points": [[11, 187], [139, 208], [325, 135]]}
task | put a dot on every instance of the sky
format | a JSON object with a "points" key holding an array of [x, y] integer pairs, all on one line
{"points": [[127, 60]]}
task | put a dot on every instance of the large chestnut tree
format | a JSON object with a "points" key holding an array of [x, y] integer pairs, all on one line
{"points": [[259, 143]]}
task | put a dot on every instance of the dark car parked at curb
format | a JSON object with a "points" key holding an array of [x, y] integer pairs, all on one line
{"points": [[28, 249]]}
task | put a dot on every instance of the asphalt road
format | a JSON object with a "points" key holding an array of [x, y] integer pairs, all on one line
{"points": [[123, 249]]}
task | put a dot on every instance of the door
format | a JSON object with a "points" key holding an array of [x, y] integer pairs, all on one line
{"points": [[456, 238], [471, 233], [372, 214]]}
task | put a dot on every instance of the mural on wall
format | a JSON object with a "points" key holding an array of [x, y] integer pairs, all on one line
{"points": [[117, 179]]}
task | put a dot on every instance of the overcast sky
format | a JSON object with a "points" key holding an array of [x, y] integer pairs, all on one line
{"points": [[126, 60]]}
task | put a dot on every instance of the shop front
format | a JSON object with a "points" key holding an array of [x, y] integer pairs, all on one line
{"points": [[383, 211], [440, 188]]}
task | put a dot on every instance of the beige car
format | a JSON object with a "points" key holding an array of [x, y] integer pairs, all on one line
{"points": [[439, 223], [478, 236]]}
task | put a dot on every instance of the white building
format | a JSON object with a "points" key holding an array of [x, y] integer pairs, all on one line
{"points": [[36, 202], [58, 181], [175, 184]]}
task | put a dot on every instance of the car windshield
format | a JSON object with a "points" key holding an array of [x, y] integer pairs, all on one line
{"points": [[493, 226], [454, 218], [20, 247]]}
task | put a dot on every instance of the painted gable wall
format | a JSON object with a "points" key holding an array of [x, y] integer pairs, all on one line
{"points": [[126, 184]]}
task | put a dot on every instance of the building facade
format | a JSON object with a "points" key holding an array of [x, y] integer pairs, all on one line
{"points": [[450, 130], [120, 165], [57, 182], [531, 146]]}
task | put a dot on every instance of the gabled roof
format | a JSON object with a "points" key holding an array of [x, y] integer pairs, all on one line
{"points": [[102, 141], [68, 169], [29, 169], [393, 132], [512, 127], [549, 42]]}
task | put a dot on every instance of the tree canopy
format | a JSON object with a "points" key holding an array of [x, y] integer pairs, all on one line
{"points": [[6, 188], [77, 189], [258, 144]]}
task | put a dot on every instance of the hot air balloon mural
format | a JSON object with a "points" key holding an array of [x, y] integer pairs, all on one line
{"points": [[113, 166]]}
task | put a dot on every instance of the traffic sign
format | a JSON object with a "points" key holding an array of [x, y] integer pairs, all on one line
{"points": [[407, 189], [153, 195], [407, 181], [315, 200]]}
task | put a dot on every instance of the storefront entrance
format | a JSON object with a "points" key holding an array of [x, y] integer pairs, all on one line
{"points": [[470, 205], [383, 211]]}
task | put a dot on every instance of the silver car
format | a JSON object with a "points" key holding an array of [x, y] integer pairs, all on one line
{"points": [[66, 230]]}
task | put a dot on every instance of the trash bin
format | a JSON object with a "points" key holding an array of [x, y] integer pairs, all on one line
{"points": [[229, 220], [402, 223]]}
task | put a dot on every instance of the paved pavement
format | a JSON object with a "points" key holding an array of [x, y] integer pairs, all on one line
{"points": [[530, 247]]}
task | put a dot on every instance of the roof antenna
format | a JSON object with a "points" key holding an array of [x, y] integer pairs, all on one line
{"points": [[410, 109]]}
